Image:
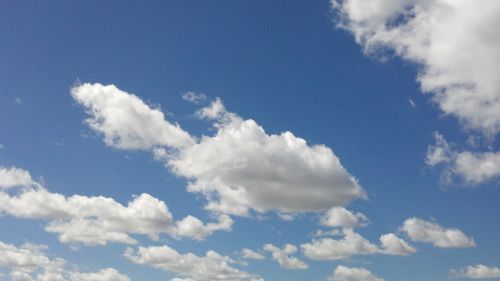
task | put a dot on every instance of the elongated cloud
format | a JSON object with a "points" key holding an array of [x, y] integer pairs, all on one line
{"points": [[211, 267], [344, 273], [428, 232], [239, 169], [352, 244], [99, 220], [331, 249], [29, 262], [125, 121], [479, 271], [283, 256], [456, 43], [473, 168]]}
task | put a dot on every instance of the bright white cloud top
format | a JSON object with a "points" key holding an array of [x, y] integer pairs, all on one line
{"points": [[428, 232], [239, 169], [479, 271], [283, 258], [344, 273]]}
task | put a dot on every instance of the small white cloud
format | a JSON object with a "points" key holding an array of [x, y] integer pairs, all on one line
{"points": [[249, 254], [393, 245], [428, 232], [283, 258], [474, 168], [194, 97], [331, 249], [479, 271], [341, 217], [18, 100], [343, 273], [412, 103], [189, 266]]}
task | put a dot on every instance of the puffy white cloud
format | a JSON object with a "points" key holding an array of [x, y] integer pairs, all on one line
{"points": [[331, 249], [12, 177], [456, 43], [249, 254], [344, 273], [393, 245], [473, 168], [242, 168], [97, 220], [126, 121], [341, 217], [424, 231], [282, 256], [194, 228], [479, 271], [29, 262], [210, 267]]}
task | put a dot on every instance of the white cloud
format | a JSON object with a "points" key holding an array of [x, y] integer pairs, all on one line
{"points": [[211, 267], [12, 177], [242, 168], [331, 249], [473, 168], [249, 254], [29, 262], [99, 220], [194, 228], [341, 217], [479, 271], [108, 274], [126, 121], [343, 273], [424, 231], [455, 42], [194, 97], [282, 256], [393, 245]]}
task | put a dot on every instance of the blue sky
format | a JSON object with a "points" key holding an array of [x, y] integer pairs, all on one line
{"points": [[413, 125]]}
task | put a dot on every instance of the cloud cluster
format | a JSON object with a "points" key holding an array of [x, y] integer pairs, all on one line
{"points": [[211, 267], [428, 232], [239, 169], [344, 273], [99, 220], [29, 263], [455, 43], [283, 258], [15, 177], [479, 271], [473, 168]]}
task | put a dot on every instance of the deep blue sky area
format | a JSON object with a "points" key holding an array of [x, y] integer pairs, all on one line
{"points": [[283, 64]]}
